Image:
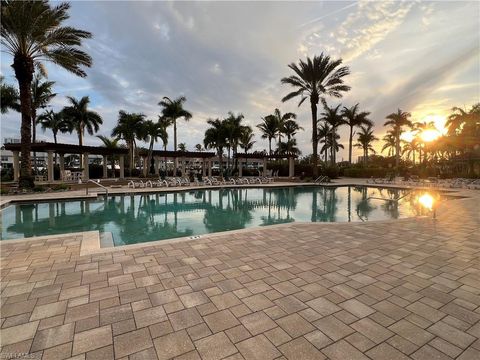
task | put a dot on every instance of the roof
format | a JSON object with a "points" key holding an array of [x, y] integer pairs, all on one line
{"points": [[180, 154], [69, 148]]}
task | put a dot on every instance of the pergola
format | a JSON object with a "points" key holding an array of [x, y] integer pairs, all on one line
{"points": [[158, 155], [263, 157], [61, 150]]}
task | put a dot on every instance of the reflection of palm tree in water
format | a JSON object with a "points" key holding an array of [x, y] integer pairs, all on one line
{"points": [[363, 207], [326, 212]]}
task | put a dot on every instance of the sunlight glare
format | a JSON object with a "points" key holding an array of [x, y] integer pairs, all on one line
{"points": [[427, 201], [439, 121], [430, 135], [408, 136]]}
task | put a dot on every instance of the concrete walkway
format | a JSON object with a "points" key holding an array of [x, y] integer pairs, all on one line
{"points": [[376, 290]]}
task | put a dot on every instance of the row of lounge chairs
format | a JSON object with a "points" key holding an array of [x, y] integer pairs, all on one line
{"points": [[456, 183], [210, 181]]}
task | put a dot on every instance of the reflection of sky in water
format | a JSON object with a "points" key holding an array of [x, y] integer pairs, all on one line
{"points": [[148, 217]]}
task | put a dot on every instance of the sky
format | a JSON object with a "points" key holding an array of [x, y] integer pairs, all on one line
{"points": [[422, 57]]}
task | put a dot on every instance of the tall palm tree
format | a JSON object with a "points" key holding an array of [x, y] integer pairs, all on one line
{"points": [[199, 147], [290, 128], [152, 132], [182, 147], [397, 121], [313, 79], [281, 119], [54, 121], [81, 118], [390, 144], [234, 128], [333, 117], [354, 118], [331, 143], [269, 128], [246, 139], [32, 32], [9, 97], [42, 94], [323, 133], [110, 143], [173, 110], [365, 139], [411, 147], [128, 128], [216, 138]]}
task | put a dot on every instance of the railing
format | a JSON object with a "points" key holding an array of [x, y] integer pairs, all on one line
{"points": [[98, 184], [322, 179]]}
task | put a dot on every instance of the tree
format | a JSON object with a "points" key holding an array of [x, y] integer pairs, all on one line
{"points": [[182, 147], [80, 117], [281, 119], [323, 133], [233, 126], [313, 79], [246, 139], [173, 110], [397, 121], [152, 132], [269, 129], [42, 94], [216, 138], [354, 119], [390, 144], [31, 32], [365, 139], [54, 121], [333, 117], [110, 143], [290, 128], [128, 128], [9, 97], [411, 147], [199, 147]]}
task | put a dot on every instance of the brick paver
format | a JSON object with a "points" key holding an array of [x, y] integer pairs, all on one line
{"points": [[407, 289]]}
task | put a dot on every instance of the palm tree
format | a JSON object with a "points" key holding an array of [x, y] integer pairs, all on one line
{"points": [[323, 133], [32, 31], [152, 131], [331, 143], [173, 110], [81, 118], [397, 121], [199, 147], [216, 138], [390, 144], [290, 128], [110, 143], [164, 124], [182, 147], [246, 141], [365, 140], [411, 147], [128, 128], [314, 79], [42, 94], [354, 118], [333, 117], [281, 119], [9, 96], [54, 121], [269, 129], [234, 128]]}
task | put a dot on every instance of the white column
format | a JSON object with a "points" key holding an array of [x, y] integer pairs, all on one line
{"points": [[86, 171], [61, 161], [122, 166], [183, 166], [16, 165], [50, 165], [264, 166], [240, 167], [105, 169], [146, 166], [291, 167]]}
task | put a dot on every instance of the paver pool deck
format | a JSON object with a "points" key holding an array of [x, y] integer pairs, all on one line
{"points": [[405, 289]]}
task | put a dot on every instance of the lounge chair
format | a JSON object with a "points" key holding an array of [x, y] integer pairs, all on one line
{"points": [[136, 184]]}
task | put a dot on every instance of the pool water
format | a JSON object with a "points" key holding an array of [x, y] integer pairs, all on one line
{"points": [[157, 216]]}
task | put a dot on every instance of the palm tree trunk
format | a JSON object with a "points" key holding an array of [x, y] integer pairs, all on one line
{"points": [[24, 73], [313, 105], [34, 136], [55, 141], [397, 151], [175, 161], [130, 148], [270, 145], [350, 145]]}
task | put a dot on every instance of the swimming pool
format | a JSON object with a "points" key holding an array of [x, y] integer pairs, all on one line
{"points": [[142, 217]]}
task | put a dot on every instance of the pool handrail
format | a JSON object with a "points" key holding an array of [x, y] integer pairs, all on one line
{"points": [[96, 183]]}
